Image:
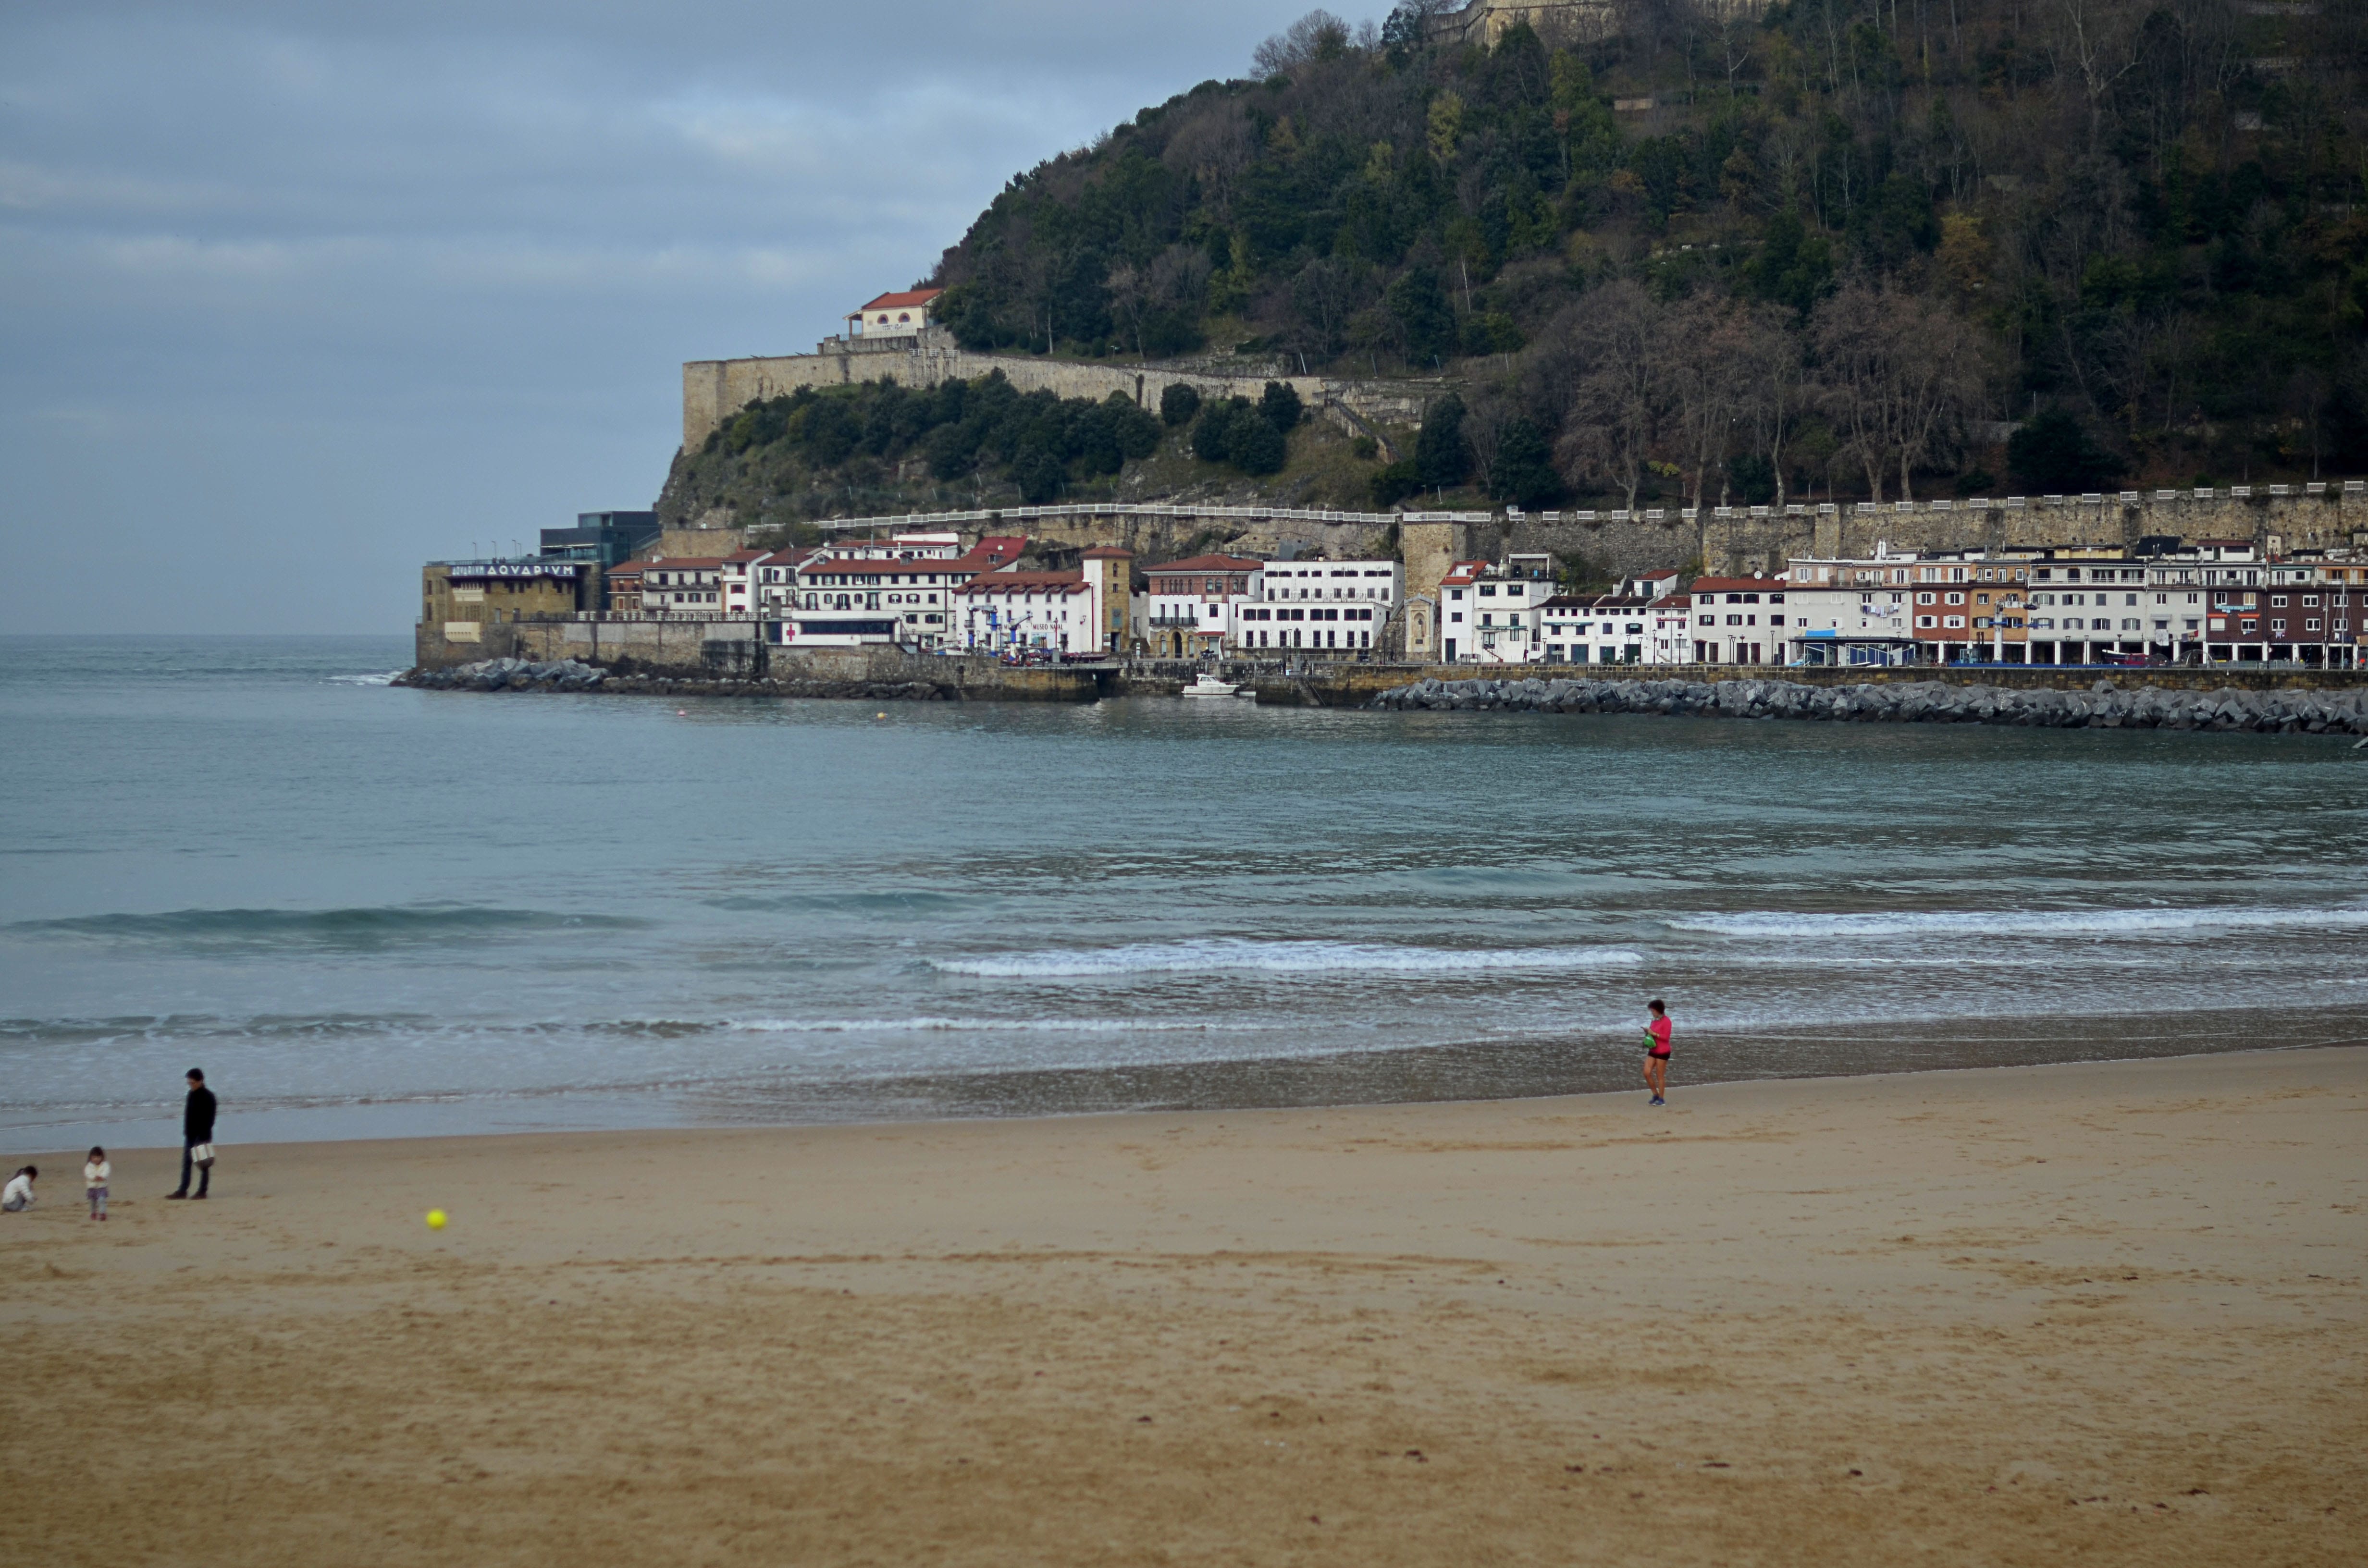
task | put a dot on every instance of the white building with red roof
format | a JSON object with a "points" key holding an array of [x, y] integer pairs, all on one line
{"points": [[1090, 611], [683, 584], [1739, 620], [1492, 614], [845, 601], [893, 315], [1194, 602]]}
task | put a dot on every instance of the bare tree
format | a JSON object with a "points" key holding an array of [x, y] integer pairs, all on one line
{"points": [[1936, 368], [1777, 389], [2096, 45], [1705, 345], [1128, 291], [1484, 421], [1616, 340], [1853, 382], [1319, 35], [1897, 374]]}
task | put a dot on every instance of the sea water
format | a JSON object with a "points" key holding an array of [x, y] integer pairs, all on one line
{"points": [[366, 909]]}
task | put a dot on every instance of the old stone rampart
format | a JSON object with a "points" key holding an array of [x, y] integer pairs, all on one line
{"points": [[714, 389]]}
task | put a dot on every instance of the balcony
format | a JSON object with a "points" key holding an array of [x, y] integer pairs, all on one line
{"points": [[1163, 617]]}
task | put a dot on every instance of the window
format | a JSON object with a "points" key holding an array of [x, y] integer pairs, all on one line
{"points": [[1923, 598], [2277, 601]]}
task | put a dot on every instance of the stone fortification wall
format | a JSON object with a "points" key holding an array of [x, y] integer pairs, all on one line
{"points": [[714, 389], [1750, 540]]}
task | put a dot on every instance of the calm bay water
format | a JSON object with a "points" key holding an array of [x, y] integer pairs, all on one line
{"points": [[367, 910]]}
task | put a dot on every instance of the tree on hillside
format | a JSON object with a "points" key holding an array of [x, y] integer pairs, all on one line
{"points": [[1707, 349], [1440, 456], [1617, 347], [1897, 373]]}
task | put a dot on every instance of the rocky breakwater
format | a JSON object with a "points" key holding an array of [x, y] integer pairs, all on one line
{"points": [[572, 674], [509, 675], [2106, 706]]}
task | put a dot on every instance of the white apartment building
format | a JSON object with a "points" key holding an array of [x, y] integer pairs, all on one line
{"points": [[1331, 605], [739, 584], [687, 585], [1850, 610], [1599, 629], [1494, 614], [1195, 603], [1053, 612], [844, 601], [1739, 620]]}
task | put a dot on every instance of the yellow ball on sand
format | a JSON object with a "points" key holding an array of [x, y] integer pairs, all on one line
{"points": [[880, 715], [435, 1218]]}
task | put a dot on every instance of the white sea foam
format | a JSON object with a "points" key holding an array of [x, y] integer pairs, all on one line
{"points": [[1276, 957], [386, 679], [993, 1025], [2020, 922]]}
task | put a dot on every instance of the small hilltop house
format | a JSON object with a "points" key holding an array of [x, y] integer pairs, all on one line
{"points": [[894, 315]]}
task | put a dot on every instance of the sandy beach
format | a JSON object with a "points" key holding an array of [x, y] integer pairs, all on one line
{"points": [[2105, 1313]]}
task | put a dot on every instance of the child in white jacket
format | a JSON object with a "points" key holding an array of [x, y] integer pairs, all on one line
{"points": [[94, 1181], [17, 1196]]}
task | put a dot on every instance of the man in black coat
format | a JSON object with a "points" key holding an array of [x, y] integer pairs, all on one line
{"points": [[197, 1127]]}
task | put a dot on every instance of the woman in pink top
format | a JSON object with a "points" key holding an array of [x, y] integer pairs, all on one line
{"points": [[1656, 1052]]}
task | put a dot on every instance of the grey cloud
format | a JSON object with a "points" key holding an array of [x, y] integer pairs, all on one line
{"points": [[301, 294]]}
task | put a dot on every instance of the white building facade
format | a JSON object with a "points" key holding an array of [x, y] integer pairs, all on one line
{"points": [[1043, 612], [1335, 606], [1739, 620], [1194, 603], [1494, 614]]}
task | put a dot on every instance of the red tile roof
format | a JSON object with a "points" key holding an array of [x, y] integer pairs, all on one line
{"points": [[1210, 563], [995, 550], [1025, 582], [1107, 552], [910, 297], [864, 565]]}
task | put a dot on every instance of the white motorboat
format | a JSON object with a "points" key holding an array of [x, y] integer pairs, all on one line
{"points": [[1208, 685]]}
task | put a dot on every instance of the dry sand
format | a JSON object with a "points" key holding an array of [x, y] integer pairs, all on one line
{"points": [[2105, 1314]]}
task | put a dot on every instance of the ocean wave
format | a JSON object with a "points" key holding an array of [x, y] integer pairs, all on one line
{"points": [[389, 679], [1276, 957], [352, 928], [1001, 1025], [2016, 923]]}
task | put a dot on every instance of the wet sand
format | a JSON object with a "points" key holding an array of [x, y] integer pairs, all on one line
{"points": [[2109, 1312]]}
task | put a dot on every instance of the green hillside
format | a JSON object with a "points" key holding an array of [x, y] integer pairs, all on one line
{"points": [[1836, 250], [2146, 217]]}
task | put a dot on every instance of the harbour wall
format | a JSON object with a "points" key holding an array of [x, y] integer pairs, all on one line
{"points": [[691, 658]]}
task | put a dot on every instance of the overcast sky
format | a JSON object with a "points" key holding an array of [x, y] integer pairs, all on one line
{"points": [[293, 297]]}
